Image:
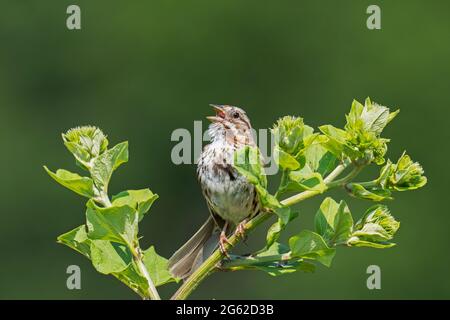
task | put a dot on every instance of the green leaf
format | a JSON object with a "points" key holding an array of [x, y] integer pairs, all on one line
{"points": [[354, 116], [310, 245], [334, 221], [72, 181], [377, 227], [110, 257], [285, 215], [81, 155], [356, 242], [116, 259], [406, 175], [274, 249], [325, 216], [105, 164], [286, 267], [319, 159], [247, 161], [364, 127], [116, 223], [382, 180], [267, 200], [373, 232], [85, 143], [277, 267], [305, 179], [402, 176], [131, 277], [273, 233], [343, 224], [392, 115], [289, 134], [157, 267], [77, 240], [374, 117], [140, 200], [285, 160], [335, 134], [360, 141], [373, 193], [371, 117], [380, 215], [337, 142]]}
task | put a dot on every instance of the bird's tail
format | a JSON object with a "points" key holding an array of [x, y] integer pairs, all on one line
{"points": [[197, 249]]}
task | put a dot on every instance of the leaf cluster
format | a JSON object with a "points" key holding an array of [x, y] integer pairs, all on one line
{"points": [[308, 162], [109, 236]]}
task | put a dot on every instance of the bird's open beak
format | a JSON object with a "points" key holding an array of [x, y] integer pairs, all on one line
{"points": [[220, 114]]}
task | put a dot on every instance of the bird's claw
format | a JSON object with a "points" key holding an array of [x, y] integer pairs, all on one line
{"points": [[223, 240], [240, 229]]}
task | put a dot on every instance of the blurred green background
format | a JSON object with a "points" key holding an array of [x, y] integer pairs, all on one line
{"points": [[140, 70]]}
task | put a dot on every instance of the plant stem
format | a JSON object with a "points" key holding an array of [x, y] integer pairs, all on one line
{"points": [[282, 183], [138, 259], [105, 200], [152, 292], [310, 193], [347, 178], [367, 183], [211, 263]]}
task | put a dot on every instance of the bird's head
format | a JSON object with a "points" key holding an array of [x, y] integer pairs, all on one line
{"points": [[230, 122]]}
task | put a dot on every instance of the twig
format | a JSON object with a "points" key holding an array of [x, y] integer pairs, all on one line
{"points": [[152, 293]]}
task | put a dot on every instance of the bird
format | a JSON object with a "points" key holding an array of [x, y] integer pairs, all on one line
{"points": [[230, 198]]}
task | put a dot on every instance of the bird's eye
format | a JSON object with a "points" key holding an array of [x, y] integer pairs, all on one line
{"points": [[236, 115]]}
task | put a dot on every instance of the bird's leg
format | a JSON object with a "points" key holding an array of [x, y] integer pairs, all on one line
{"points": [[224, 240], [240, 229]]}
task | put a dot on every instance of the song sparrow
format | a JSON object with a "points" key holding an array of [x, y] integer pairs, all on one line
{"points": [[231, 199]]}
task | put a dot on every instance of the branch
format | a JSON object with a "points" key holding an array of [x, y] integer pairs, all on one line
{"points": [[347, 178], [210, 264], [152, 293]]}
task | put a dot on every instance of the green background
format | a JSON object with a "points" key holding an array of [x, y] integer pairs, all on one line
{"points": [[140, 70]]}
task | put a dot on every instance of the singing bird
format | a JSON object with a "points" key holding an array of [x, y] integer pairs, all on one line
{"points": [[230, 198]]}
